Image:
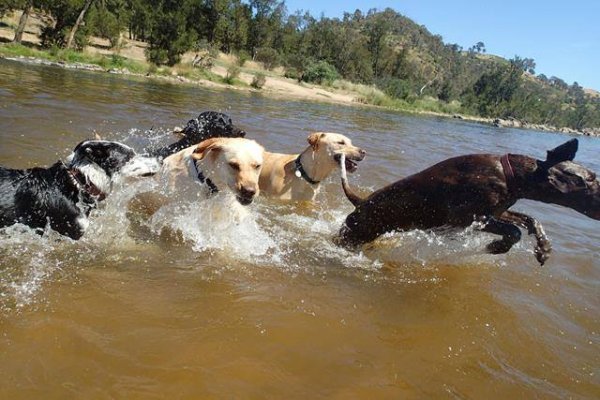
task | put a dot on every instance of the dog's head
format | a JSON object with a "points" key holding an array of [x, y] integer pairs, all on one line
{"points": [[109, 156], [330, 147], [572, 185], [100, 160], [234, 163], [564, 182], [211, 124]]}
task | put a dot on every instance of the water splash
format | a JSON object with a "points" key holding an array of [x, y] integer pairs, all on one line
{"points": [[291, 238]]}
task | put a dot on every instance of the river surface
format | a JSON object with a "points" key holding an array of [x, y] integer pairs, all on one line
{"points": [[187, 304]]}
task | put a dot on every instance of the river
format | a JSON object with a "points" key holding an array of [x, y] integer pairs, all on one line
{"points": [[183, 306]]}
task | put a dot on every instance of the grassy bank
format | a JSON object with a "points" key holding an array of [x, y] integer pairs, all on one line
{"points": [[113, 61], [367, 94]]}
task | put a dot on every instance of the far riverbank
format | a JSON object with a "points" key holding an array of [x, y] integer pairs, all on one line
{"points": [[340, 92]]}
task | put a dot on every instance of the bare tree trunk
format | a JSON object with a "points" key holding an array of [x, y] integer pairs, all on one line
{"points": [[23, 22], [87, 5], [424, 86]]}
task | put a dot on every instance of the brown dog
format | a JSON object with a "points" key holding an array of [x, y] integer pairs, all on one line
{"points": [[479, 187], [297, 176]]}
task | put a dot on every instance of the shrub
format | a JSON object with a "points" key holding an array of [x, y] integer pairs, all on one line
{"points": [[103, 23], [242, 57], [156, 55], [395, 88], [258, 81], [320, 72], [118, 61], [232, 73], [291, 73], [268, 56]]}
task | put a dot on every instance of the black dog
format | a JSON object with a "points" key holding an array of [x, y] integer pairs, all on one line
{"points": [[209, 124], [64, 194], [477, 187]]}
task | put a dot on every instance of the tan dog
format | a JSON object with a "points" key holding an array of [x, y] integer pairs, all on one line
{"points": [[219, 164], [297, 176]]}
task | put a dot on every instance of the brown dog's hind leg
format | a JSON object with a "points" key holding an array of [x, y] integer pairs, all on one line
{"points": [[510, 234], [543, 248]]}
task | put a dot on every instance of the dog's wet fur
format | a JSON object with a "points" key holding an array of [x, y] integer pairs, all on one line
{"points": [[209, 124], [475, 188], [63, 195]]}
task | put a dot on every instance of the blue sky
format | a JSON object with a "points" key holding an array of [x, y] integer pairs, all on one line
{"points": [[563, 37]]}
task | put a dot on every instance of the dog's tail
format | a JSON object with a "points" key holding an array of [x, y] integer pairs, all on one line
{"points": [[355, 199]]}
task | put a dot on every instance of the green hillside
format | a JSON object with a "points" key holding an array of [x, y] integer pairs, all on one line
{"points": [[380, 48]]}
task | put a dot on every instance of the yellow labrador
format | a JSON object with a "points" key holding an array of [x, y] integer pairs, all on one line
{"points": [[219, 164], [297, 176]]}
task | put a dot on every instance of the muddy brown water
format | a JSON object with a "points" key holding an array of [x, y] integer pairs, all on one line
{"points": [[187, 304]]}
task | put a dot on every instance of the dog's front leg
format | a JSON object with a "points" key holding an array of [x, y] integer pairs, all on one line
{"points": [[543, 247], [510, 234]]}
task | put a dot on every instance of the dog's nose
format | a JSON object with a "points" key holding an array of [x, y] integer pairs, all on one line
{"points": [[362, 153], [237, 132], [247, 192]]}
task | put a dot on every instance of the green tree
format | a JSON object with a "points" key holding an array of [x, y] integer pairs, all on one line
{"points": [[108, 19], [170, 35], [8, 6], [140, 19], [266, 24], [65, 14], [26, 7], [478, 47], [78, 21], [376, 30]]}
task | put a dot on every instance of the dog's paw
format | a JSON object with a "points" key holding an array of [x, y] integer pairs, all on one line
{"points": [[542, 251], [498, 247]]}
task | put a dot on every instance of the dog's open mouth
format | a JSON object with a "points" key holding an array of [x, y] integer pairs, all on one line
{"points": [[244, 200], [351, 165]]}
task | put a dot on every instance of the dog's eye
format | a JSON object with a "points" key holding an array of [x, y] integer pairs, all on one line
{"points": [[234, 166], [341, 142], [257, 166]]}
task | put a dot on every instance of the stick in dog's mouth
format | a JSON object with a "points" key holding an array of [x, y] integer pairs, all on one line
{"points": [[346, 163], [343, 167]]}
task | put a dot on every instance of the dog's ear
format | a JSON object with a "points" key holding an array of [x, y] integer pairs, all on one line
{"points": [[313, 139], [564, 152], [212, 145]]}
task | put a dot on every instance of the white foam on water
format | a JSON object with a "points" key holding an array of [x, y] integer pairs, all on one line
{"points": [[213, 224], [27, 261]]}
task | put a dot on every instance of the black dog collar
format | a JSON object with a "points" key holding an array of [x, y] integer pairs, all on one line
{"points": [[300, 172], [84, 185], [211, 186]]}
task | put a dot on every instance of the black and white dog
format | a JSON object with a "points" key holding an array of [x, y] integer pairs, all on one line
{"points": [[209, 124], [63, 195]]}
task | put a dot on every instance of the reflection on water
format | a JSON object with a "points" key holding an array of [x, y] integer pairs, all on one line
{"points": [[189, 303]]}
